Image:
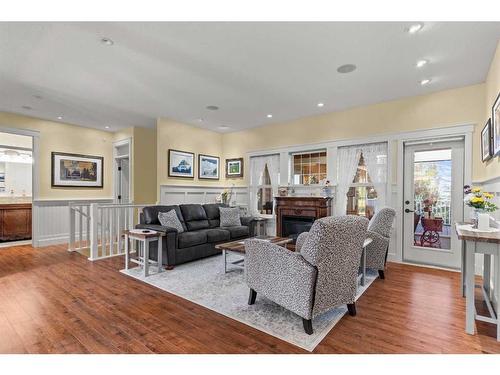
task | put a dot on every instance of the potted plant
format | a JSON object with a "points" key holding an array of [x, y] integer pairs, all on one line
{"points": [[480, 202]]}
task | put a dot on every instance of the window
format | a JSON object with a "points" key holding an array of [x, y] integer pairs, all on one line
{"points": [[309, 168], [361, 196], [265, 195]]}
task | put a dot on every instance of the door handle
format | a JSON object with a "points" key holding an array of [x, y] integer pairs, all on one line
{"points": [[407, 210]]}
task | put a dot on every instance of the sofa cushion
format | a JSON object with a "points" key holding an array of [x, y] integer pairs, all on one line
{"points": [[217, 235], [188, 239], [170, 219], [238, 231], [150, 214], [194, 216], [229, 216], [213, 213]]}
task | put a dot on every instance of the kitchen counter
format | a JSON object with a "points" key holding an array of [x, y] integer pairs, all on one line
{"points": [[15, 200]]}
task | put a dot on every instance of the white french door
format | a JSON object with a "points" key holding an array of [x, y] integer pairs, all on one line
{"points": [[433, 201]]}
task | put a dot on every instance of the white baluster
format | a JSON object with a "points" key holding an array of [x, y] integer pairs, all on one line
{"points": [[94, 231], [71, 245]]}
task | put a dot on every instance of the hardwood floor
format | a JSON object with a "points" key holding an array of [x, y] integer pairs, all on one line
{"points": [[52, 301]]}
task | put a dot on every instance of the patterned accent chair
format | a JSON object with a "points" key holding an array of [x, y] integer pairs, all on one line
{"points": [[379, 230], [320, 275]]}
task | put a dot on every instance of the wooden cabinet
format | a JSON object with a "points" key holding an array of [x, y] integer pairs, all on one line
{"points": [[15, 221]]}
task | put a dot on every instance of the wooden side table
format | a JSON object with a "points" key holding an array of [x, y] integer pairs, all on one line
{"points": [[145, 237]]}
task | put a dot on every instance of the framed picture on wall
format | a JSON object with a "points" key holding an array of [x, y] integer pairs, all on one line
{"points": [[234, 167], [486, 150], [180, 164], [75, 170], [495, 124], [208, 167]]}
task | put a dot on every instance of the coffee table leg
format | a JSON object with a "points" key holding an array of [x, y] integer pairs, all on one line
{"points": [[160, 254], [146, 257], [127, 253], [224, 260]]}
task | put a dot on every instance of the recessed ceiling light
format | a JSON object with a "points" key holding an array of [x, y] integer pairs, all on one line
{"points": [[224, 127], [269, 116], [106, 127], [200, 120], [27, 107], [321, 105], [212, 107], [59, 117], [107, 41], [415, 28], [346, 68], [421, 63], [425, 82]]}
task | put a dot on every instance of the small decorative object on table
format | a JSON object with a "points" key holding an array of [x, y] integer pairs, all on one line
{"points": [[326, 190], [225, 196], [283, 191], [480, 202]]}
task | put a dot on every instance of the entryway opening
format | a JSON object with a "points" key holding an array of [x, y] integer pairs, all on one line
{"points": [[16, 189], [433, 201], [121, 173]]}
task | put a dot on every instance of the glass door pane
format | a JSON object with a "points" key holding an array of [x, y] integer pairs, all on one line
{"points": [[432, 198]]}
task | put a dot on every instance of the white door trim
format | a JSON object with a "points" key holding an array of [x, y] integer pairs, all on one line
{"points": [[124, 142], [467, 132], [35, 169]]}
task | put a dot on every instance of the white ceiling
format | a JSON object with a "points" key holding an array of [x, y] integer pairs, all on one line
{"points": [[249, 70]]}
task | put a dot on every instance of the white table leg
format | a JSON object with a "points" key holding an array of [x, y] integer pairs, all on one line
{"points": [[127, 252], [486, 273], [146, 257], [496, 257], [464, 270], [470, 310], [363, 267], [160, 254]]}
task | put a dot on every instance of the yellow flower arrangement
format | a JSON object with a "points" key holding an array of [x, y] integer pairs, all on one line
{"points": [[479, 200]]}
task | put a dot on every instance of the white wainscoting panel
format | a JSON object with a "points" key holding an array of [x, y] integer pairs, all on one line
{"points": [[175, 194], [51, 220]]}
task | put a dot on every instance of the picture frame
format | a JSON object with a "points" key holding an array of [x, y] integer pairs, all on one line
{"points": [[208, 167], [180, 164], [486, 149], [234, 168], [77, 170], [495, 125]]}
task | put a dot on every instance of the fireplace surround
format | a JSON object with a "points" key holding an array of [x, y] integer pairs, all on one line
{"points": [[295, 215]]}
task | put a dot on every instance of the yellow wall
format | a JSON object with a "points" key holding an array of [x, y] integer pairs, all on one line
{"points": [[492, 88], [55, 136], [446, 108], [174, 135], [144, 165]]}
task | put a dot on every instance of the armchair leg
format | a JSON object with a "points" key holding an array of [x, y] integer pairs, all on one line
{"points": [[352, 308], [308, 326], [252, 296], [381, 274]]}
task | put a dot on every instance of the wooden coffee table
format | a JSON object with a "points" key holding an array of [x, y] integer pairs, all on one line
{"points": [[238, 247]]}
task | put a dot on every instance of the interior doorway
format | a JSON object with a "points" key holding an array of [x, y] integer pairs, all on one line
{"points": [[16, 188], [433, 201], [121, 174]]}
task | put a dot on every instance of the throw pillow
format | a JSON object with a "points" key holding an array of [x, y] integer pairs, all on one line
{"points": [[170, 219], [229, 216]]}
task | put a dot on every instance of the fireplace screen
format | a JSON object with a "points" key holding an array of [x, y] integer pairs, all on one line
{"points": [[292, 226]]}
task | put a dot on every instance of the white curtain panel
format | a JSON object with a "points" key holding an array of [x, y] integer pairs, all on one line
{"points": [[375, 156], [257, 167], [348, 160]]}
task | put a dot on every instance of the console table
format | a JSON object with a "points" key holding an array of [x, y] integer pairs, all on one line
{"points": [[488, 244]]}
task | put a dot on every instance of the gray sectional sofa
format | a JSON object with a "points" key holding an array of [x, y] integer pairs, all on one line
{"points": [[202, 231]]}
